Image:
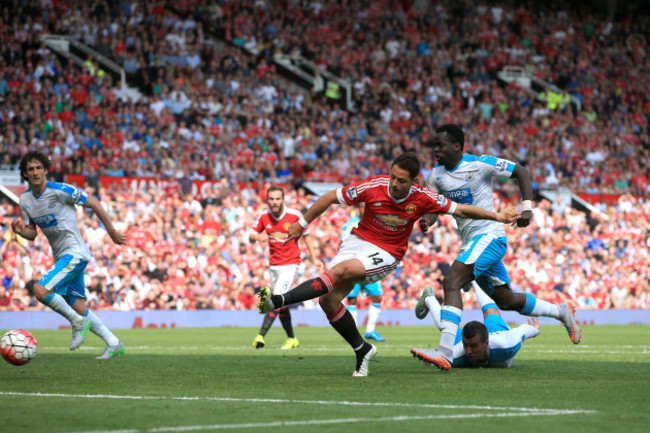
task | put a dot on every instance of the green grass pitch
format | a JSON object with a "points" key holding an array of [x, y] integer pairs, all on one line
{"points": [[210, 379]]}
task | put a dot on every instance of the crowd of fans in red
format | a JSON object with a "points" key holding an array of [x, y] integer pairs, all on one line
{"points": [[219, 110]]}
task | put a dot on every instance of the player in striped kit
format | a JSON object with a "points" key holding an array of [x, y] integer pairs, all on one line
{"points": [[492, 344], [51, 207], [468, 179], [272, 227], [392, 205]]}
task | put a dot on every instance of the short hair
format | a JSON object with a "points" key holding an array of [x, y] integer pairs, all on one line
{"points": [[31, 156], [474, 328], [409, 162], [274, 188], [455, 132]]}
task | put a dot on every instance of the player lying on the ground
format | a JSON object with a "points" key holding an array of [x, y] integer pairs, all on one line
{"points": [[492, 344]]}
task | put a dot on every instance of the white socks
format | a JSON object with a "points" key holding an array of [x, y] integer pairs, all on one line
{"points": [[58, 304], [450, 320], [101, 331], [373, 315], [434, 309]]}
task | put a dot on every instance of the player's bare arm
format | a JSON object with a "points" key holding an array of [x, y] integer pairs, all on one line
{"points": [[321, 205], [506, 216], [522, 175], [117, 237], [27, 231], [262, 238]]}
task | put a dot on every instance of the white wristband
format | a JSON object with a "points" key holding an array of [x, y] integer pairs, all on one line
{"points": [[526, 205], [303, 222]]}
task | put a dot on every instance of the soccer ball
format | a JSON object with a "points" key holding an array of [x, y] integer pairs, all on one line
{"points": [[18, 347]]}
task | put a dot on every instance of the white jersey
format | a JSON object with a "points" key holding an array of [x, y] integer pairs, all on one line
{"points": [[470, 182], [54, 212], [503, 345]]}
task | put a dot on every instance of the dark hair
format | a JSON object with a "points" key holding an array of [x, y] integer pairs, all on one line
{"points": [[31, 156], [475, 328], [274, 188], [409, 162], [455, 133]]}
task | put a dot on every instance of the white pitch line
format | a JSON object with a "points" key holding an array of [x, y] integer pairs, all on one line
{"points": [[399, 418], [319, 402], [641, 349], [626, 352], [113, 431]]}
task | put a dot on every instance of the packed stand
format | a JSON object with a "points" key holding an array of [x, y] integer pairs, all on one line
{"points": [[184, 254], [221, 111]]}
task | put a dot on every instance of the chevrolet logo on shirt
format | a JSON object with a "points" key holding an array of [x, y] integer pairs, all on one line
{"points": [[277, 235], [392, 220]]}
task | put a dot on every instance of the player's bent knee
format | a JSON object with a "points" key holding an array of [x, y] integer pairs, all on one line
{"points": [[40, 292]]}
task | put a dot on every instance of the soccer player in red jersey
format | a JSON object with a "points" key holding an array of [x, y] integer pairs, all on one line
{"points": [[272, 227], [392, 205]]}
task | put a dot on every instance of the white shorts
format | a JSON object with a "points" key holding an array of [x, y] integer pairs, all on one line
{"points": [[283, 278], [377, 262]]}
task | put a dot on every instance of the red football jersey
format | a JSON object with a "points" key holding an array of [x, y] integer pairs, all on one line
{"points": [[386, 222], [278, 231]]}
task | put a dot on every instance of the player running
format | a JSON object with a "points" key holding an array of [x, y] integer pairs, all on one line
{"points": [[272, 227], [468, 179], [51, 207], [392, 204], [373, 290]]}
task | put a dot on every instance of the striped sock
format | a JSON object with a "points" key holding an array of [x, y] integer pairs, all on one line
{"points": [[344, 324], [450, 320], [310, 289]]}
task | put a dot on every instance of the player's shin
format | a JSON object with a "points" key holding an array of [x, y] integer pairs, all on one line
{"points": [[267, 322], [285, 319], [98, 328], [310, 289], [538, 307], [345, 325], [482, 298], [373, 316], [434, 309], [450, 320], [58, 304]]}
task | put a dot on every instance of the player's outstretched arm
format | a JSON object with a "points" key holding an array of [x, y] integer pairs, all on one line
{"points": [[507, 216], [118, 237], [528, 330], [522, 175], [27, 231], [316, 210]]}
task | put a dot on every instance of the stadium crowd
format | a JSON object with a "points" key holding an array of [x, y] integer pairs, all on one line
{"points": [[217, 109]]}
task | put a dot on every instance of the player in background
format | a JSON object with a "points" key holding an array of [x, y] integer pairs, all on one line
{"points": [[392, 205], [492, 344], [51, 207], [468, 179], [272, 227], [373, 290]]}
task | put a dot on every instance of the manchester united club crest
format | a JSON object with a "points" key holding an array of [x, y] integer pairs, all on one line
{"points": [[410, 208], [286, 226]]}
